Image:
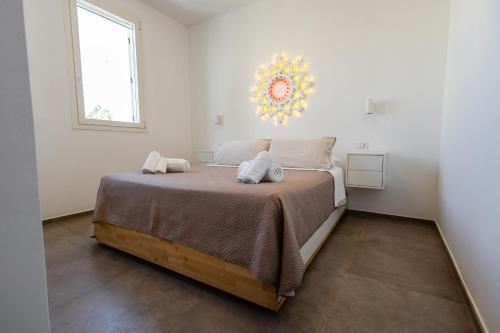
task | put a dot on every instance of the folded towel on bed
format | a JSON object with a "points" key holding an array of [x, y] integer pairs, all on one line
{"points": [[151, 162], [161, 166], [257, 168], [178, 165], [242, 169], [274, 174], [155, 163]]}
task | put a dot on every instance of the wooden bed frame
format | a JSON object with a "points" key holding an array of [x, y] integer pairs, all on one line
{"points": [[208, 269]]}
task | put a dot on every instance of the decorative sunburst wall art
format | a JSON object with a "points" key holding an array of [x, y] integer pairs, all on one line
{"points": [[282, 89]]}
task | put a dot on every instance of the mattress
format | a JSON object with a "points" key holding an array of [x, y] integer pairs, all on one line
{"points": [[261, 227]]}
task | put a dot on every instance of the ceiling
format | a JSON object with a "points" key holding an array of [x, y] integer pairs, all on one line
{"points": [[191, 12]]}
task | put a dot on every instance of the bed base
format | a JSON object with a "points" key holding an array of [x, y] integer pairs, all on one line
{"points": [[205, 268]]}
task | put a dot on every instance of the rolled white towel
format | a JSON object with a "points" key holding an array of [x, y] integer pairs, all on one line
{"points": [[161, 166], [257, 168], [274, 174], [242, 169], [178, 165], [151, 162]]}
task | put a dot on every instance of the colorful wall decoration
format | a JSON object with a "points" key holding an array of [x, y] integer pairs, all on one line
{"points": [[282, 88]]}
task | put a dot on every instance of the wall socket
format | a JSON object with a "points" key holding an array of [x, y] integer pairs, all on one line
{"points": [[363, 145]]}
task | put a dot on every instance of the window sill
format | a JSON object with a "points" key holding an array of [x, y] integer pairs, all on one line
{"points": [[139, 128]]}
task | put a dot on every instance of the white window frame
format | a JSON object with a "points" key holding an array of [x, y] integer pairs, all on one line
{"points": [[109, 11]]}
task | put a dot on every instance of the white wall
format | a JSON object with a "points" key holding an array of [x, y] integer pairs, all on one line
{"points": [[23, 289], [392, 51], [470, 155], [71, 162]]}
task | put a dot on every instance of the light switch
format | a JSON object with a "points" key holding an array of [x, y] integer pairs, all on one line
{"points": [[219, 119]]}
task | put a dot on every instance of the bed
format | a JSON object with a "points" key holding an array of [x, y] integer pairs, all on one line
{"points": [[253, 241]]}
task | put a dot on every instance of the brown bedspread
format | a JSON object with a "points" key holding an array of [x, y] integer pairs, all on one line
{"points": [[261, 227]]}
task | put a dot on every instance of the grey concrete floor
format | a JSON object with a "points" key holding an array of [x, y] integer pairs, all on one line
{"points": [[373, 275]]}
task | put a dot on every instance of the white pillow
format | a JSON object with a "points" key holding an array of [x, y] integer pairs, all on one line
{"points": [[235, 152], [305, 154]]}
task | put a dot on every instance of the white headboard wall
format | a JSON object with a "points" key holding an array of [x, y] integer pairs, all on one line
{"points": [[393, 52]]}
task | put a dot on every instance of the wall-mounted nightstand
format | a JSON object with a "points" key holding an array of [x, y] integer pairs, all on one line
{"points": [[366, 169], [205, 156]]}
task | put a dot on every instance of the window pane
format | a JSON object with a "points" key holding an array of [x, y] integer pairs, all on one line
{"points": [[107, 68]]}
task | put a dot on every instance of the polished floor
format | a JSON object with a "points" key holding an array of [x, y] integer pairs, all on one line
{"points": [[373, 275]]}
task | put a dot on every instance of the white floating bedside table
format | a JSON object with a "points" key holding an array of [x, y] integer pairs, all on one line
{"points": [[366, 169], [204, 156]]}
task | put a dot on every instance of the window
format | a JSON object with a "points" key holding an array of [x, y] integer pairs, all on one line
{"points": [[105, 67]]}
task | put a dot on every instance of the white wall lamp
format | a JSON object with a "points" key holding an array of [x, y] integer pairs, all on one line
{"points": [[219, 119], [369, 107]]}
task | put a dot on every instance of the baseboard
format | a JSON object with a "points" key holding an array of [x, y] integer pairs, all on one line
{"points": [[65, 217], [471, 304], [389, 216]]}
